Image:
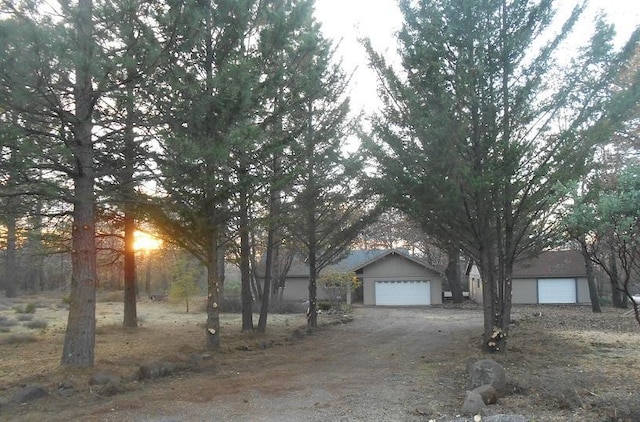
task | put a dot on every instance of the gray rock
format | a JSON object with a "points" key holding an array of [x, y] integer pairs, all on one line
{"points": [[66, 389], [156, 369], [487, 371], [488, 393], [168, 368], [103, 379], [29, 393], [150, 370], [473, 403]]}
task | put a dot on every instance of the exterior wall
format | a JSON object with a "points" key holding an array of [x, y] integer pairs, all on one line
{"points": [[298, 289], [475, 285], [395, 267], [525, 290], [583, 291]]}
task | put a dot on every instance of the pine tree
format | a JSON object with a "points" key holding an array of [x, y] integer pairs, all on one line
{"points": [[482, 134]]}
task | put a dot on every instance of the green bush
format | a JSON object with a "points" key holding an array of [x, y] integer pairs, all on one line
{"points": [[324, 306], [29, 308]]}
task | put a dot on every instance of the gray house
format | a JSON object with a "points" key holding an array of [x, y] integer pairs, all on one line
{"points": [[398, 279], [389, 278], [553, 277]]}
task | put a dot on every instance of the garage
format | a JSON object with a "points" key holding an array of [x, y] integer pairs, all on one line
{"points": [[557, 290], [403, 293]]}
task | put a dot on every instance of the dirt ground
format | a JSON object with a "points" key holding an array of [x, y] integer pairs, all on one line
{"points": [[385, 364]]}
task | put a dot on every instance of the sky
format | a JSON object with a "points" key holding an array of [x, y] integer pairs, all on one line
{"points": [[349, 20]]}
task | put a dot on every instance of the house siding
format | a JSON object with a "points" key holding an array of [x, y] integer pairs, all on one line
{"points": [[297, 289], [583, 291], [525, 291], [397, 268]]}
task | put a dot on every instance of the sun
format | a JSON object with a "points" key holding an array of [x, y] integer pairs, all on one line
{"points": [[145, 242]]}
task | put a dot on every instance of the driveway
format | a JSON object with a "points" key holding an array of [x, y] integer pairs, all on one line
{"points": [[386, 365]]}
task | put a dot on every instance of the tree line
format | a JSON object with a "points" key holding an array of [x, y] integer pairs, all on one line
{"points": [[221, 122]]}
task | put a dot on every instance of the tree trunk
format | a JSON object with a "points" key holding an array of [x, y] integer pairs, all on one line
{"points": [[147, 278], [245, 251], [79, 342], [130, 279], [618, 299], [591, 279], [34, 243], [272, 246], [10, 269], [453, 275], [212, 334], [221, 268], [312, 313], [130, 309], [268, 271], [488, 296]]}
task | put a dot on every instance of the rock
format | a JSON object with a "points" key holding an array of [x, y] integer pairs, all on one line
{"points": [[156, 369], [105, 384], [262, 344], [66, 389], [168, 368], [103, 379], [487, 371], [473, 403], [150, 370], [504, 418], [488, 393], [29, 393]]}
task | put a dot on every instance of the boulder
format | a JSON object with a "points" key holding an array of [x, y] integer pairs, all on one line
{"points": [[487, 371], [29, 393], [488, 393], [473, 403], [103, 379], [157, 369]]}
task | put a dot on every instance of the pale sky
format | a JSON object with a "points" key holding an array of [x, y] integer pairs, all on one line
{"points": [[347, 20]]}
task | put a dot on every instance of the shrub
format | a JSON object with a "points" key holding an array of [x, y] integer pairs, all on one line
{"points": [[29, 308], [6, 322], [36, 325], [324, 306], [25, 317]]}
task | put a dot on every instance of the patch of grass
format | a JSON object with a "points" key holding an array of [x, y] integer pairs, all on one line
{"points": [[111, 296], [36, 325], [109, 328], [5, 329], [19, 339]]}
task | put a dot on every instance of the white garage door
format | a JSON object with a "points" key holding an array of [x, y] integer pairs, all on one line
{"points": [[557, 290], [403, 293]]}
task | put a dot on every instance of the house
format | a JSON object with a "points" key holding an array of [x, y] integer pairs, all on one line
{"points": [[397, 279], [389, 277], [553, 277]]}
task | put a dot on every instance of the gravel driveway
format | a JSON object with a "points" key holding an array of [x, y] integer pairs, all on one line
{"points": [[380, 367]]}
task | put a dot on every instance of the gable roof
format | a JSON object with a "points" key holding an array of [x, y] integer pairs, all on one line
{"points": [[353, 261], [392, 252], [567, 263]]}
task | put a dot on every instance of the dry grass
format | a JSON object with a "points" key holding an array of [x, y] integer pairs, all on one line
{"points": [[565, 363]]}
